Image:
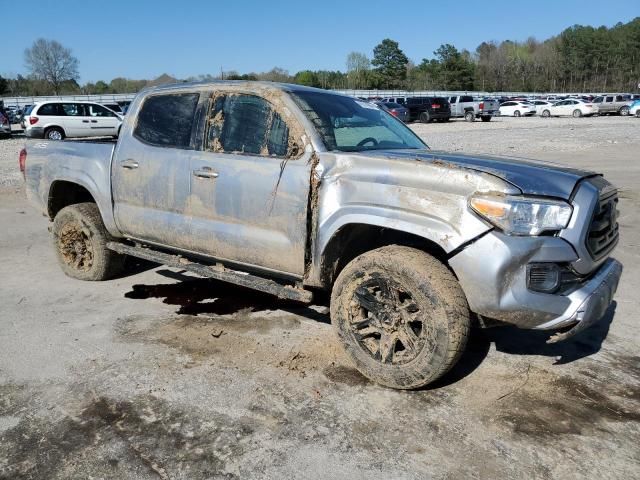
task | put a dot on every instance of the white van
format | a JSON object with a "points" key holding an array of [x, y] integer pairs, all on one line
{"points": [[58, 120]]}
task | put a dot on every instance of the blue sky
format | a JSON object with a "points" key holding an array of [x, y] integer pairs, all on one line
{"points": [[143, 39]]}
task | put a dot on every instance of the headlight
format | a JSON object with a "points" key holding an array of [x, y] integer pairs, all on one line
{"points": [[522, 215]]}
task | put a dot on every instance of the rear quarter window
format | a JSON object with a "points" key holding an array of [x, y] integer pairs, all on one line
{"points": [[50, 109], [167, 120]]}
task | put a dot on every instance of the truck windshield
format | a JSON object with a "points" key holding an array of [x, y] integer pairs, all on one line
{"points": [[350, 125]]}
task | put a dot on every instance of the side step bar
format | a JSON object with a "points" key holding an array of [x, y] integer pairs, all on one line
{"points": [[217, 272]]}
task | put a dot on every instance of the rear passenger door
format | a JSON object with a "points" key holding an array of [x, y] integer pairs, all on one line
{"points": [[607, 104], [454, 106], [250, 185], [151, 171]]}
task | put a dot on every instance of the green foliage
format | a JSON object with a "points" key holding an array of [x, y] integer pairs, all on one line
{"points": [[4, 85], [306, 77], [391, 64]]}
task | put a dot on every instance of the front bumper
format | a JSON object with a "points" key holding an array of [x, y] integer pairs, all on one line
{"points": [[592, 301], [492, 273]]}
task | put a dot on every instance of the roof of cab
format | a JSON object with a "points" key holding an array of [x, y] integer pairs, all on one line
{"points": [[286, 87]]}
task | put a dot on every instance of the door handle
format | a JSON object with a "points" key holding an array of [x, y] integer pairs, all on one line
{"points": [[205, 172], [94, 121], [129, 164], [85, 121]]}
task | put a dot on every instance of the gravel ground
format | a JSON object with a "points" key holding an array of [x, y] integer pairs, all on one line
{"points": [[158, 375]]}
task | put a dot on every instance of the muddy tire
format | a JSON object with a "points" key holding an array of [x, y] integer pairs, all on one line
{"points": [[401, 316], [80, 239]]}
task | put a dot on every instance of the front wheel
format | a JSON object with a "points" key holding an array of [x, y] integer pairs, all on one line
{"points": [[486, 118], [470, 116], [401, 316], [80, 240], [577, 113]]}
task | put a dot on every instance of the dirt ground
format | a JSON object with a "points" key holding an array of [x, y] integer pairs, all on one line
{"points": [[162, 375]]}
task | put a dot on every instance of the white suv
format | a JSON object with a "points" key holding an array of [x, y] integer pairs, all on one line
{"points": [[57, 120]]}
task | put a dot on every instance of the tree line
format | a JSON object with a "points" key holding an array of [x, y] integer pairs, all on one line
{"points": [[580, 58]]}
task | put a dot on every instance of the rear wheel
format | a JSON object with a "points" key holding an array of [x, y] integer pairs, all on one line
{"points": [[546, 113], [54, 133], [577, 113], [624, 111], [516, 113], [80, 240], [401, 316], [425, 117], [638, 113], [470, 116], [486, 118]]}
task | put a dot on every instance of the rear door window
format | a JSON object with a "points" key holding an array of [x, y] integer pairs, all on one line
{"points": [[247, 124], [466, 98], [167, 120], [73, 109], [609, 99]]}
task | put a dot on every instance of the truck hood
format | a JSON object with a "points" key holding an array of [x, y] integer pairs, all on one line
{"points": [[532, 177]]}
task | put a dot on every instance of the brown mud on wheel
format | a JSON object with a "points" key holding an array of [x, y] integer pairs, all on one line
{"points": [[75, 246], [386, 321]]}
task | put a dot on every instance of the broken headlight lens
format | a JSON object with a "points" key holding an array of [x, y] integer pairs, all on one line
{"points": [[521, 215]]}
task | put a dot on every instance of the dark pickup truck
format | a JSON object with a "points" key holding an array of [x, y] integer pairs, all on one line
{"points": [[427, 109]]}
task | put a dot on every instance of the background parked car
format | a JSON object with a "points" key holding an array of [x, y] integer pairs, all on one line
{"points": [[5, 126], [57, 120], [612, 104], [427, 109], [469, 108], [395, 109], [400, 100], [517, 109], [574, 107], [541, 105]]}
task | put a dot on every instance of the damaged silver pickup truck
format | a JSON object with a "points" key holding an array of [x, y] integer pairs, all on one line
{"points": [[293, 190]]}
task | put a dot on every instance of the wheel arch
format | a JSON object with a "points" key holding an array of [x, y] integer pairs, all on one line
{"points": [[64, 192], [352, 239], [48, 127]]}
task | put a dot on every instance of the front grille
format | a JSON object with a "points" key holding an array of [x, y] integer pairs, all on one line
{"points": [[603, 231]]}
